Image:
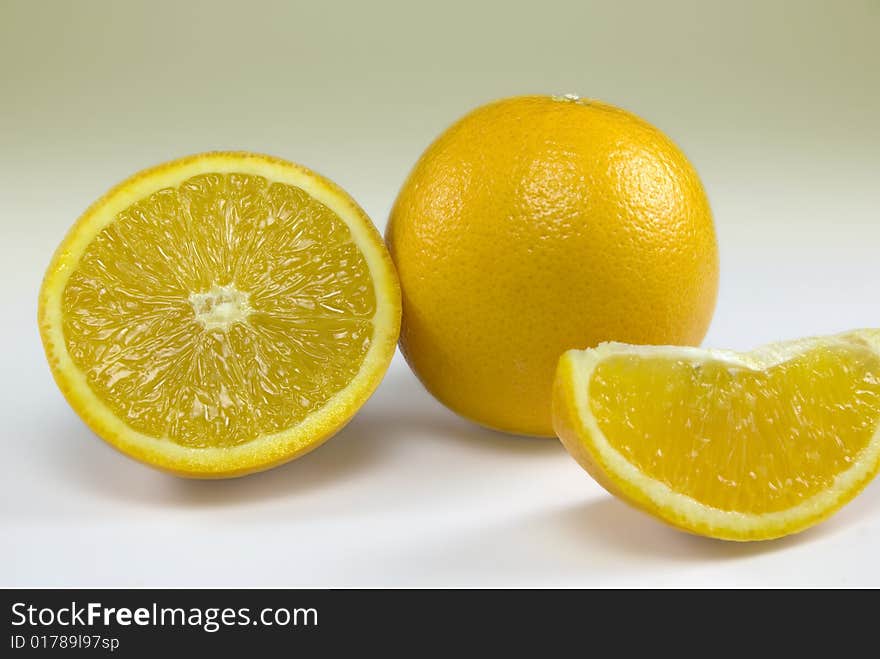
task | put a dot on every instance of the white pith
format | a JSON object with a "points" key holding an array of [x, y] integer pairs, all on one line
{"points": [[220, 307]]}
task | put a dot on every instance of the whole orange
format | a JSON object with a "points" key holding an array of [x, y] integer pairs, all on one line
{"points": [[536, 224]]}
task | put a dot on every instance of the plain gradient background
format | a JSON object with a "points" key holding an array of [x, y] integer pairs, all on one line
{"points": [[776, 104]]}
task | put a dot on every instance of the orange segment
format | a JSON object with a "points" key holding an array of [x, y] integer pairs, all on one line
{"points": [[739, 446]]}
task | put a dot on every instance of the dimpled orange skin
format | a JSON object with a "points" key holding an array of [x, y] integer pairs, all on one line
{"points": [[536, 224]]}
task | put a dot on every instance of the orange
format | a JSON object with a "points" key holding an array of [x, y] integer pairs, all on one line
{"points": [[537, 224], [740, 446], [220, 314]]}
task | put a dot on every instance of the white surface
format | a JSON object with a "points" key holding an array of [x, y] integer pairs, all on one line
{"points": [[408, 494], [764, 101]]}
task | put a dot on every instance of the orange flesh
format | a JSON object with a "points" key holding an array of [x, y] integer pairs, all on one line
{"points": [[739, 439], [188, 328]]}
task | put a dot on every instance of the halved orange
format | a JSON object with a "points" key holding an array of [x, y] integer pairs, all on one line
{"points": [[220, 314], [741, 446]]}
